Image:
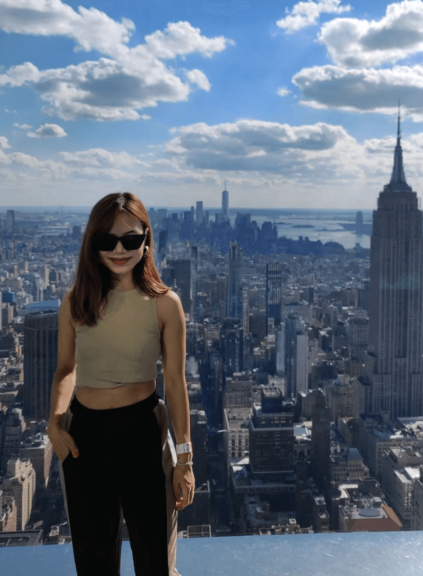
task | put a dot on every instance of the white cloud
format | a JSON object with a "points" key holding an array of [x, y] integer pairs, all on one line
{"points": [[103, 90], [353, 42], [351, 174], [307, 13], [115, 89], [90, 28], [252, 145], [4, 143], [199, 78], [180, 39], [19, 75], [95, 163], [283, 92], [20, 159], [102, 157], [181, 178], [22, 126], [48, 131], [250, 150], [105, 174], [107, 90], [263, 162], [365, 90]]}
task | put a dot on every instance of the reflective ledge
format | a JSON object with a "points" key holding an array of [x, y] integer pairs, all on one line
{"points": [[331, 554]]}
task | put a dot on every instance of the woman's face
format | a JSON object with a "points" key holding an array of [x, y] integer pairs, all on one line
{"points": [[124, 225]]}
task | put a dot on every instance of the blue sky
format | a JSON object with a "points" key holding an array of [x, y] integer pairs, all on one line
{"points": [[293, 104]]}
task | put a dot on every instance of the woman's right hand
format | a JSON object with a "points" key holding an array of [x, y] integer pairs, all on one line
{"points": [[63, 443]]}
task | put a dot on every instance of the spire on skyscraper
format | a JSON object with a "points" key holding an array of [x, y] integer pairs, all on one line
{"points": [[398, 181]]}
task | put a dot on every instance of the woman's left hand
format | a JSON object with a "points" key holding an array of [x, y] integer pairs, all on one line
{"points": [[183, 486]]}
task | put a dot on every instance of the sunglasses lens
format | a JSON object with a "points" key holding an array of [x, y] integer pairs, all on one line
{"points": [[105, 243], [108, 242], [132, 242]]}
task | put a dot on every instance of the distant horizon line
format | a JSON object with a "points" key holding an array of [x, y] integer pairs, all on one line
{"points": [[88, 207]]}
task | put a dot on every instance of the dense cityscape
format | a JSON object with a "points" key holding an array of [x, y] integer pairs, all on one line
{"points": [[304, 369]]}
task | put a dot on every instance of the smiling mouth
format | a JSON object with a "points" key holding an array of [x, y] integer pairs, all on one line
{"points": [[119, 260]]}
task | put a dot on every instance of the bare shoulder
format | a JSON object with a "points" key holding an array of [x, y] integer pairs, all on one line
{"points": [[169, 306], [65, 309], [65, 304], [169, 302]]}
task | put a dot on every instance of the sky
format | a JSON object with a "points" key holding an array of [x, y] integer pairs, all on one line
{"points": [[285, 104]]}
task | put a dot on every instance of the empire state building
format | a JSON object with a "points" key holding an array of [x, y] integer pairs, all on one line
{"points": [[396, 298]]}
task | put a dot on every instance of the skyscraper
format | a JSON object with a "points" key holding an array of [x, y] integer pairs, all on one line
{"points": [[234, 301], [10, 222], [273, 293], [199, 215], [194, 273], [395, 362], [359, 222], [245, 310], [40, 362], [179, 274], [225, 203], [280, 350], [320, 440], [271, 434], [296, 356], [232, 339]]}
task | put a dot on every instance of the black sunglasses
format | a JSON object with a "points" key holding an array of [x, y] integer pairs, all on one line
{"points": [[108, 242]]}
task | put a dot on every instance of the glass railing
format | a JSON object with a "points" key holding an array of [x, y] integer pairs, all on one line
{"points": [[330, 554]]}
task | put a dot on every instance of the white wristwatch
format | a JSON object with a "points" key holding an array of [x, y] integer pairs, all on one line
{"points": [[183, 448]]}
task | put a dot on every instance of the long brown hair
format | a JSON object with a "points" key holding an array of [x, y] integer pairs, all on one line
{"points": [[93, 279]]}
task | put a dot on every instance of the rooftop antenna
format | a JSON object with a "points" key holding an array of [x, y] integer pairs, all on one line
{"points": [[398, 176]]}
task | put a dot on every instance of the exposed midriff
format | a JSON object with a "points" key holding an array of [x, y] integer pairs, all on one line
{"points": [[105, 398]]}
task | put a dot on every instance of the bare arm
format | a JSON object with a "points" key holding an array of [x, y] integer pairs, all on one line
{"points": [[64, 378], [173, 357]]}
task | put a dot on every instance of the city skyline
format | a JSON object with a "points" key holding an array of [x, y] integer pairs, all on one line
{"points": [[277, 339], [173, 101]]}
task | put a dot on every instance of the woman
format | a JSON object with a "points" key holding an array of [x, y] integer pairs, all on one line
{"points": [[116, 455]]}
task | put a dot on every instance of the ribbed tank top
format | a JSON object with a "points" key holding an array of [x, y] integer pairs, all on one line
{"points": [[124, 345]]}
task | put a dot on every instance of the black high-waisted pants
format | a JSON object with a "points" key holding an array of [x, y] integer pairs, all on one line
{"points": [[118, 470]]}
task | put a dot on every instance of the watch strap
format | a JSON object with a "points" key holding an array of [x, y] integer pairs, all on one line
{"points": [[183, 448]]}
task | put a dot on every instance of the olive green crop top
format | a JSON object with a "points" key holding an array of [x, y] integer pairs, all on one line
{"points": [[124, 345]]}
